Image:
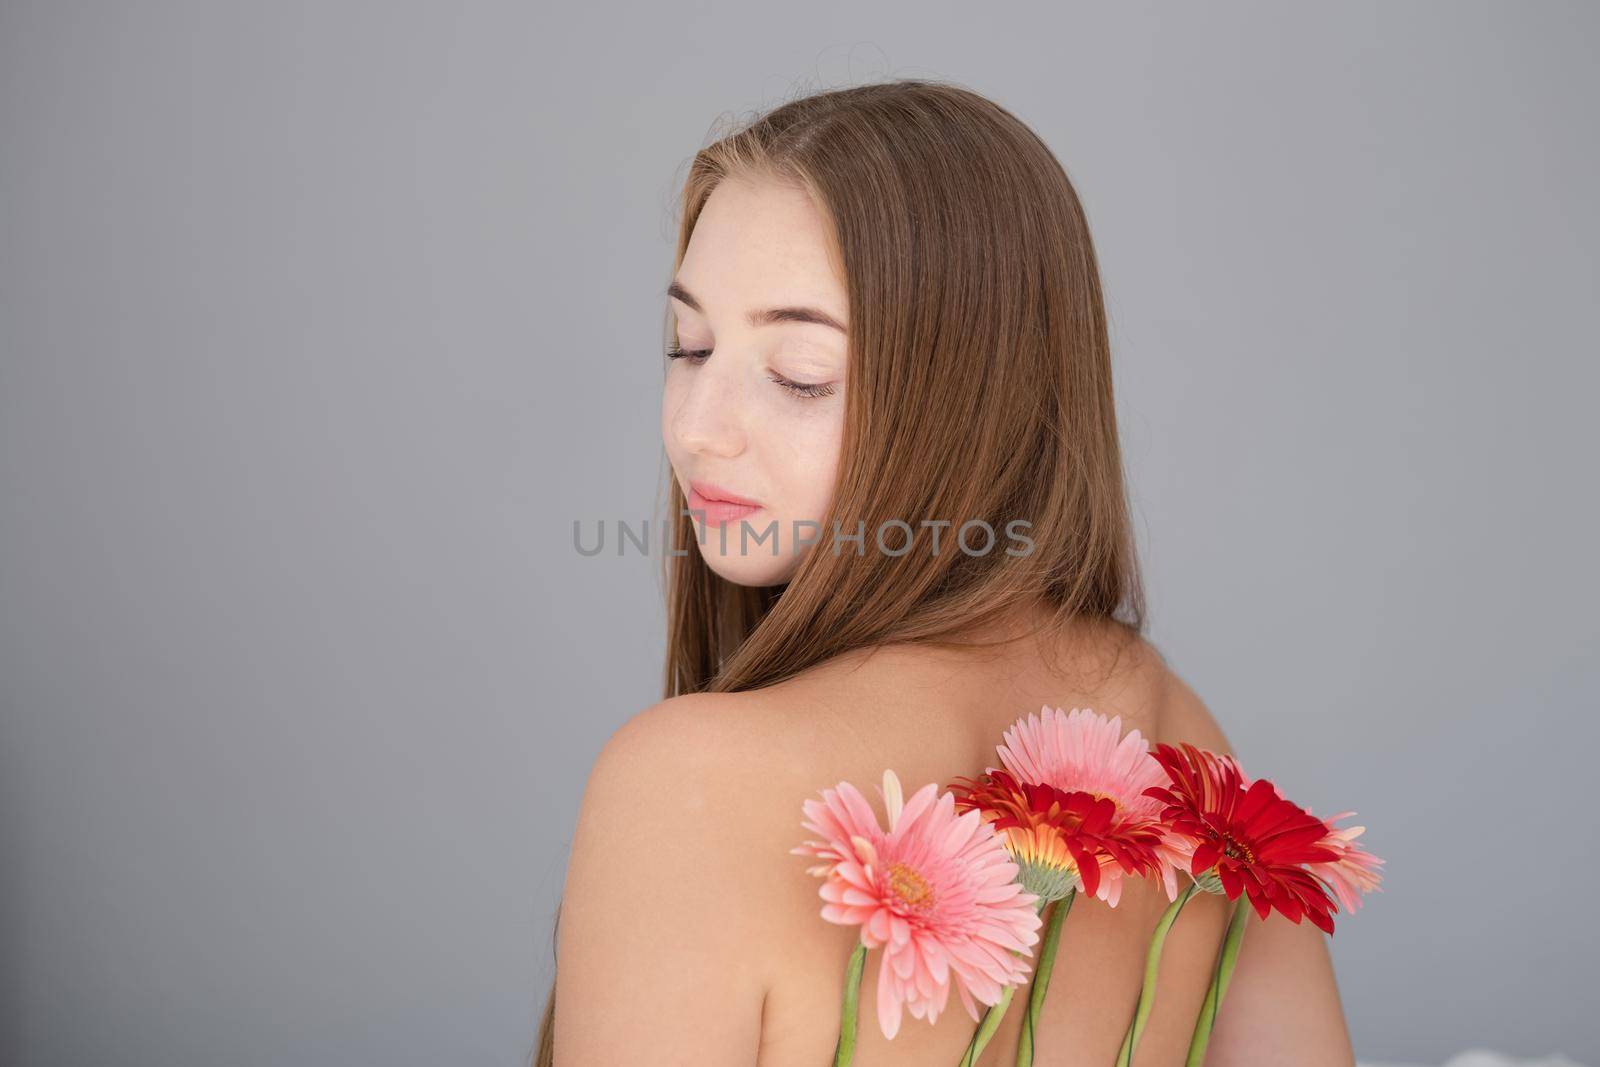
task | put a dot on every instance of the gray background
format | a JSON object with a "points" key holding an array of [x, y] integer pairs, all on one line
{"points": [[321, 323]]}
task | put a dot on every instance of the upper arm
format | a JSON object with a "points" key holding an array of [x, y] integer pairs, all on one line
{"points": [[1282, 1004], [657, 960]]}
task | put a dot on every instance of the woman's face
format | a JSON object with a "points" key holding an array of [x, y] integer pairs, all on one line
{"points": [[754, 408]]}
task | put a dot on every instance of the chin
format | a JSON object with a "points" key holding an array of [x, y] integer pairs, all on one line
{"points": [[758, 567], [750, 576]]}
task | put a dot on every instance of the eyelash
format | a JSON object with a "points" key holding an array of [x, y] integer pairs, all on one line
{"points": [[801, 389]]}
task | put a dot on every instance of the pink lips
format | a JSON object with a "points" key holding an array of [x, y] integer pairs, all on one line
{"points": [[718, 504]]}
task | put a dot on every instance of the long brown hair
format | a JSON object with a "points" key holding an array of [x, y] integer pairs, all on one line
{"points": [[979, 388]]}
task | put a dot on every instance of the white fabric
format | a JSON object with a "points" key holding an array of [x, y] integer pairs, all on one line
{"points": [[1484, 1058]]}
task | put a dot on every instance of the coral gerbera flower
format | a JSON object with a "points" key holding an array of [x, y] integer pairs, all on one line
{"points": [[1248, 838], [1083, 751], [937, 890], [1060, 838]]}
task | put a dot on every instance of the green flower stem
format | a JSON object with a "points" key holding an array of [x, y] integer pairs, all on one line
{"points": [[1152, 965], [991, 1018], [1041, 977], [846, 1048], [1219, 984], [986, 1029]]}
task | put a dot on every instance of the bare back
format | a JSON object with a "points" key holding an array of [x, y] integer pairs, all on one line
{"points": [[931, 715]]}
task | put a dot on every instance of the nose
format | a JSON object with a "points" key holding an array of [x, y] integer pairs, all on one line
{"points": [[709, 417]]}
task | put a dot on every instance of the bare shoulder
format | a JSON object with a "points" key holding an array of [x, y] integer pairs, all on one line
{"points": [[1185, 716], [698, 770], [1118, 672], [693, 731], [653, 939]]}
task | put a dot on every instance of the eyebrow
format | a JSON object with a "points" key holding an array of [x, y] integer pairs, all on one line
{"points": [[768, 316]]}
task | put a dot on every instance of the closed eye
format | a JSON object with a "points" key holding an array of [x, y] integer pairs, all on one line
{"points": [[803, 388], [695, 355], [809, 390]]}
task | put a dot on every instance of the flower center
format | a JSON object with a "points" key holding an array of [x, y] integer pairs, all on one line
{"points": [[910, 886], [1238, 850]]}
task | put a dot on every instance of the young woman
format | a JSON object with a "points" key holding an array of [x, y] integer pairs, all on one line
{"points": [[886, 324]]}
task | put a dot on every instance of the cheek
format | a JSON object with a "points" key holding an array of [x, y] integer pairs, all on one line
{"points": [[809, 451], [670, 399]]}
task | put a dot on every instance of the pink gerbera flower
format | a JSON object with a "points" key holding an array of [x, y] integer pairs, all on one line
{"points": [[1083, 751], [938, 891], [1355, 871]]}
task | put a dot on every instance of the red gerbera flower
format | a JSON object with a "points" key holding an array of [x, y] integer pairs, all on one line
{"points": [[1059, 837], [1248, 838]]}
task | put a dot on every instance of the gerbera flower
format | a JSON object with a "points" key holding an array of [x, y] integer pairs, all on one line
{"points": [[1248, 838], [1060, 838], [1083, 751], [1071, 804], [1355, 871], [936, 890]]}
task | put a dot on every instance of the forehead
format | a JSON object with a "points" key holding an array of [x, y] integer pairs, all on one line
{"points": [[761, 242]]}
